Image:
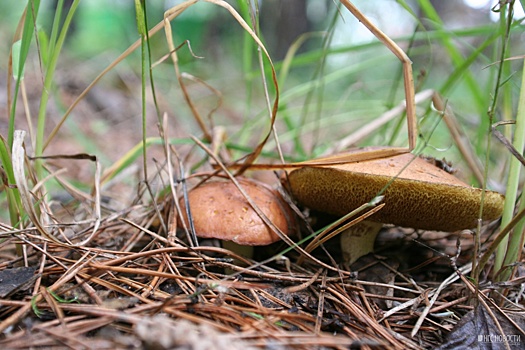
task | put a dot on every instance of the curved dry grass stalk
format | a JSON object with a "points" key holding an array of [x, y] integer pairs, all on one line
{"points": [[41, 220], [18, 161]]}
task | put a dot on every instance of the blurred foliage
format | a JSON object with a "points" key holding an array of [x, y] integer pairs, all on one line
{"points": [[352, 79]]}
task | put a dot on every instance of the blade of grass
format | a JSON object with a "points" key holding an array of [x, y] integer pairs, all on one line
{"points": [[247, 55], [18, 161], [46, 54], [512, 246], [464, 65], [23, 36], [260, 57], [511, 195], [13, 196], [146, 62], [506, 95], [48, 83], [140, 9], [28, 20]]}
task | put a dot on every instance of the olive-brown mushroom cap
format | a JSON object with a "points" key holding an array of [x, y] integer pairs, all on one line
{"points": [[421, 196], [219, 210]]}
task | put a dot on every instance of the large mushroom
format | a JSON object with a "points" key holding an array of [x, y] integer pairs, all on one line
{"points": [[417, 194], [220, 211]]}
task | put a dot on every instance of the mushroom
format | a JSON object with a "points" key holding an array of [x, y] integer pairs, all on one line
{"points": [[219, 210], [417, 194]]}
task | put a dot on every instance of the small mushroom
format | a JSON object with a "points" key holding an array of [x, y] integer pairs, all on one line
{"points": [[219, 210], [416, 193]]}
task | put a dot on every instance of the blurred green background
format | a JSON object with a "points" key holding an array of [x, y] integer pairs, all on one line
{"points": [[339, 79]]}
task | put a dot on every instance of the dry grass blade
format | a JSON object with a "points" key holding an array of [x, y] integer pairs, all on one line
{"points": [[329, 234], [76, 193], [465, 269], [507, 143], [407, 71], [18, 161], [409, 303]]}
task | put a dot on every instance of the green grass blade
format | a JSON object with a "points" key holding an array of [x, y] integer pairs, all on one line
{"points": [[48, 82], [140, 8], [509, 248], [27, 34], [19, 55], [13, 196], [54, 33]]}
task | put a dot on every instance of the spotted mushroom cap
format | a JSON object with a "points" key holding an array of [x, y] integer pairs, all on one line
{"points": [[418, 194], [219, 210]]}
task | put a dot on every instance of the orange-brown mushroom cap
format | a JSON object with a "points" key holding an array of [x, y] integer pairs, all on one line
{"points": [[219, 210], [417, 194]]}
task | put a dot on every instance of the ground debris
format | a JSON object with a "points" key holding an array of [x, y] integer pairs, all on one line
{"points": [[479, 329], [160, 332], [15, 279], [134, 288]]}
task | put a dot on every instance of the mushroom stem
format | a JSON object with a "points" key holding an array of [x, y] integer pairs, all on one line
{"points": [[246, 251], [358, 240]]}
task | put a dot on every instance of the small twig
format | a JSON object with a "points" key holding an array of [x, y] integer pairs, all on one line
{"points": [[501, 138], [320, 304]]}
